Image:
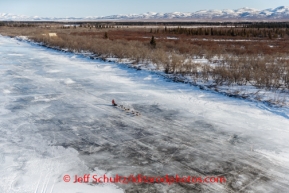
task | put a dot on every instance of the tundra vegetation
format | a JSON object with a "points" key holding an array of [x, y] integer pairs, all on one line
{"points": [[240, 55]]}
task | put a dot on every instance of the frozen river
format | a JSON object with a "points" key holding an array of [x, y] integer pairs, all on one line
{"points": [[57, 119]]}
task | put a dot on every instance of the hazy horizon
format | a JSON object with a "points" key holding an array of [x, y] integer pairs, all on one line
{"points": [[85, 8]]}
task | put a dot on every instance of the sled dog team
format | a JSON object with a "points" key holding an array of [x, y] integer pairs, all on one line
{"points": [[124, 108]]}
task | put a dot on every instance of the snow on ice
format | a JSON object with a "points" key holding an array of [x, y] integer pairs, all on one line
{"points": [[57, 119]]}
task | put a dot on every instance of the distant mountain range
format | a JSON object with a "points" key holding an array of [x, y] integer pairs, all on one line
{"points": [[243, 14]]}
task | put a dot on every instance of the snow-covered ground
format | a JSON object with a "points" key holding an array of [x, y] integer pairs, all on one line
{"points": [[56, 119]]}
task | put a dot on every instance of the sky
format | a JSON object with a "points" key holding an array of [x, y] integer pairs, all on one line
{"points": [[83, 8]]}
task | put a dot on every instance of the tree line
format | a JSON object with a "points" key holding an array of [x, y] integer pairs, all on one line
{"points": [[242, 32]]}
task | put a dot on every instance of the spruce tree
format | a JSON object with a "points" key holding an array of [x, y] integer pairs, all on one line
{"points": [[105, 35], [270, 35], [153, 42]]}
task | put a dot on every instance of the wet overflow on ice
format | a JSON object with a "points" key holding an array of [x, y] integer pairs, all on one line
{"points": [[57, 119]]}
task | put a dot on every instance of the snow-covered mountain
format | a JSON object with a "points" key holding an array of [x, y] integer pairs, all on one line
{"points": [[279, 13]]}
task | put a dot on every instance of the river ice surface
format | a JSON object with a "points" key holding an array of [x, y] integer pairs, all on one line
{"points": [[57, 119]]}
